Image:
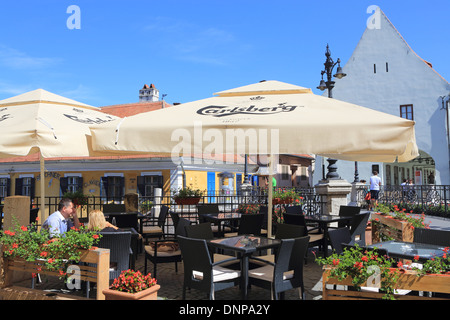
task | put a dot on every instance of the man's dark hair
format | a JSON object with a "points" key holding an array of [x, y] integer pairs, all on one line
{"points": [[64, 203]]}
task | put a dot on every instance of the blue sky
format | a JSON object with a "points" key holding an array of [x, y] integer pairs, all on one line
{"points": [[192, 48]]}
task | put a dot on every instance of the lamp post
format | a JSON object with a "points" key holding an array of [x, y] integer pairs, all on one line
{"points": [[246, 186], [329, 84]]}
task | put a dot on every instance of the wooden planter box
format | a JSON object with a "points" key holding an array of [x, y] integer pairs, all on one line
{"points": [[409, 280], [397, 229], [98, 273]]}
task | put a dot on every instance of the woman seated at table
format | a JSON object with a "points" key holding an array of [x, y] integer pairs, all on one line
{"points": [[97, 221]]}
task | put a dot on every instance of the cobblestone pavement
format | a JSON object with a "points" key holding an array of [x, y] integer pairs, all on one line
{"points": [[172, 284]]}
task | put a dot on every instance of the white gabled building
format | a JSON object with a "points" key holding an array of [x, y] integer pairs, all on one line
{"points": [[385, 74]]}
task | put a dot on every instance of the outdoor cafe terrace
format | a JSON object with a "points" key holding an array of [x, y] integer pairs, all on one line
{"points": [[170, 277]]}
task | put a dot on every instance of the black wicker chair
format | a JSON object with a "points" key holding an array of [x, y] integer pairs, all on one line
{"points": [[316, 239], [347, 211], [286, 273], [152, 227], [164, 255], [294, 209], [249, 224], [338, 237], [432, 236], [201, 273], [204, 231], [119, 244], [358, 227]]}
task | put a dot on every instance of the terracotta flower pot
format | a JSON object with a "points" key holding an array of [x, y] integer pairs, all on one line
{"points": [[147, 294], [187, 201]]}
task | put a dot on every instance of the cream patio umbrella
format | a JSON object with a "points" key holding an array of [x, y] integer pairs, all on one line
{"points": [[42, 122], [269, 117]]}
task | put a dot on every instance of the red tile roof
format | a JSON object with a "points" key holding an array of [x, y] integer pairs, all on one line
{"points": [[130, 109]]}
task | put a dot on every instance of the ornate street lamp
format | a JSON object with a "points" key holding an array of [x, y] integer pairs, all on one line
{"points": [[329, 84]]}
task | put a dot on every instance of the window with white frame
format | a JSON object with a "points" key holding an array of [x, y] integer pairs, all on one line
{"points": [[71, 182], [147, 183], [25, 186], [285, 174], [4, 186], [112, 187]]}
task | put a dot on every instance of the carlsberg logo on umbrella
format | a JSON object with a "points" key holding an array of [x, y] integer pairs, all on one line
{"points": [[88, 119], [223, 111]]}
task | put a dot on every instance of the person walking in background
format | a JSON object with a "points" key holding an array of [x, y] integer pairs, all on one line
{"points": [[375, 184], [404, 187]]}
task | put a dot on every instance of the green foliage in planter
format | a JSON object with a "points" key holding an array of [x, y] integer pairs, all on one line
{"points": [[188, 192], [363, 265], [132, 281], [57, 253], [248, 208], [146, 205], [77, 197], [436, 265], [417, 220], [287, 194]]}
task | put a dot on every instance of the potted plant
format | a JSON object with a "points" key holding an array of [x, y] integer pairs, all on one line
{"points": [[285, 196], [132, 285], [26, 243], [77, 197], [146, 206], [188, 196], [389, 222], [248, 208], [359, 266]]}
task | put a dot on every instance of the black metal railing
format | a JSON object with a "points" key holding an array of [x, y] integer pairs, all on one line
{"points": [[228, 201], [429, 199]]}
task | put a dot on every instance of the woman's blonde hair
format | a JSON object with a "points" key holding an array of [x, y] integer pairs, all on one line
{"points": [[96, 220]]}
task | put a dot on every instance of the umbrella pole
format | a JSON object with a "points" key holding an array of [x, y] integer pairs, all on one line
{"points": [[42, 181], [269, 199]]}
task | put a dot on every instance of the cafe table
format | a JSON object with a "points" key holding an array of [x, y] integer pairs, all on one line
{"points": [[410, 250], [324, 220], [244, 246], [219, 219]]}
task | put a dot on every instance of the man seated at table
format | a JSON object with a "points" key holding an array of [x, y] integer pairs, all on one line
{"points": [[59, 222]]}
